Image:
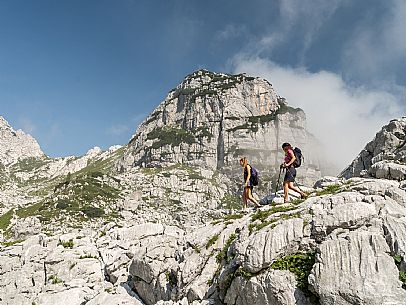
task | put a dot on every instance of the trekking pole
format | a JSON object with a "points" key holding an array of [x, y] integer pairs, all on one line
{"points": [[279, 177]]}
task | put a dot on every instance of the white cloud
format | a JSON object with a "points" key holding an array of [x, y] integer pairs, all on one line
{"points": [[341, 116], [306, 16], [118, 130], [27, 126], [374, 52], [231, 31]]}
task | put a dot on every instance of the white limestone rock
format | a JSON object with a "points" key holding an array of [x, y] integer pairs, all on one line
{"points": [[383, 157], [272, 287], [261, 249], [16, 145], [355, 268]]}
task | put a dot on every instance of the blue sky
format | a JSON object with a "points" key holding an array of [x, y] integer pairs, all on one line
{"points": [[77, 74]]}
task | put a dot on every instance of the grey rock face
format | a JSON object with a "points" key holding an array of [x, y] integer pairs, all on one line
{"points": [[272, 287], [354, 268], [385, 156], [211, 120], [16, 145]]}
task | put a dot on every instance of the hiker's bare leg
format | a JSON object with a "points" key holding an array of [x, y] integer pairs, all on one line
{"points": [[285, 191], [292, 187], [244, 199], [250, 197]]}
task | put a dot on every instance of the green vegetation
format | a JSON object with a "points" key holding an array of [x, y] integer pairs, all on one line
{"points": [[82, 197], [30, 164], [331, 189], [232, 216], [222, 255], [171, 278], [54, 279], [402, 275], [243, 273], [212, 241], [5, 219], [300, 264], [187, 91], [196, 248], [170, 136], [231, 202], [262, 217], [88, 256], [203, 132], [254, 121], [12, 243], [153, 117], [67, 244]]}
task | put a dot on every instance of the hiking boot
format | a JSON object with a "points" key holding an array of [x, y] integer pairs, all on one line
{"points": [[304, 196]]}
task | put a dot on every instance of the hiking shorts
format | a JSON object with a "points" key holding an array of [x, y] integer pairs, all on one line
{"points": [[290, 174]]}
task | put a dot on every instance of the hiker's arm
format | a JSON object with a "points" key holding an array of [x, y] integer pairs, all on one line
{"points": [[293, 159], [248, 176]]}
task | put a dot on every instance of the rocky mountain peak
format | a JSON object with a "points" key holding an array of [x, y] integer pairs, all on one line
{"points": [[212, 119], [16, 145], [385, 156]]}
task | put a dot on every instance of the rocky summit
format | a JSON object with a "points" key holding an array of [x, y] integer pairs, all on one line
{"points": [[212, 120], [383, 157], [157, 222]]}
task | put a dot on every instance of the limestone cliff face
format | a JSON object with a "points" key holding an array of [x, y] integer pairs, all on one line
{"points": [[213, 119], [16, 145], [385, 156]]}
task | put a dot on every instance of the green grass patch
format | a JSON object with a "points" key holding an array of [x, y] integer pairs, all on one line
{"points": [[331, 189], [67, 244], [54, 279], [262, 215], [88, 256], [300, 264], [212, 241], [233, 216], [231, 202], [402, 275], [5, 219], [170, 136], [222, 255]]}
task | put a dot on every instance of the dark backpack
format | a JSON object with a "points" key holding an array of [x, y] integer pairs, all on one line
{"points": [[299, 157], [254, 176]]}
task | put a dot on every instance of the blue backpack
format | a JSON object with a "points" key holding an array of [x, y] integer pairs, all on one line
{"points": [[299, 157], [254, 176]]}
